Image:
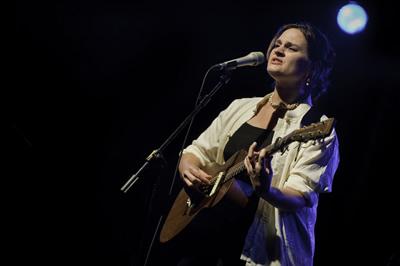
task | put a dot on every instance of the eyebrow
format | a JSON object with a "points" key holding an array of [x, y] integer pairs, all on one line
{"points": [[288, 44]]}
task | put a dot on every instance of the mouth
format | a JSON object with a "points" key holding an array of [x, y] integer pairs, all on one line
{"points": [[276, 61]]}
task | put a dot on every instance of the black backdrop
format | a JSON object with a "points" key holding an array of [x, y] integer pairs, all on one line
{"points": [[99, 84]]}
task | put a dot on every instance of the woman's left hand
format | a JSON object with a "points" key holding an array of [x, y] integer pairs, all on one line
{"points": [[259, 169]]}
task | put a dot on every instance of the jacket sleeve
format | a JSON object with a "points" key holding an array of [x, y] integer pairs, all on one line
{"points": [[314, 168], [206, 146]]}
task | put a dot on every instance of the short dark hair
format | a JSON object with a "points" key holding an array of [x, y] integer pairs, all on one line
{"points": [[320, 52]]}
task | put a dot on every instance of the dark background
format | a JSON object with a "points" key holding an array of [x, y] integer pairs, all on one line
{"points": [[98, 85]]}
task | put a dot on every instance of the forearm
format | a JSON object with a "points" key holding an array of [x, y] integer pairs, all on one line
{"points": [[285, 199]]}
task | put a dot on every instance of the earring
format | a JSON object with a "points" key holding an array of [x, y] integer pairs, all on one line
{"points": [[308, 81]]}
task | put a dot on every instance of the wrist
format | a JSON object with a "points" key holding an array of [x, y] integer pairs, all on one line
{"points": [[267, 194]]}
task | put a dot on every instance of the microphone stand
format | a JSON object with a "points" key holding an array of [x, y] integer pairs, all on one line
{"points": [[158, 153]]}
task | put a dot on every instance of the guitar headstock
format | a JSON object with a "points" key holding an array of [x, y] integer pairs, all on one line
{"points": [[313, 131]]}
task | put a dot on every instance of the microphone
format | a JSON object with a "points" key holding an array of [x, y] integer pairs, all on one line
{"points": [[252, 59]]}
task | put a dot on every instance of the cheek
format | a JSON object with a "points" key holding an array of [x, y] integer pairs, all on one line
{"points": [[301, 65]]}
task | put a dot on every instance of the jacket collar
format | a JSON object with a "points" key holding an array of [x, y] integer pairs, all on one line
{"points": [[296, 113]]}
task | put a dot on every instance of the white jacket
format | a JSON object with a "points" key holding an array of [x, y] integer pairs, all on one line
{"points": [[307, 167]]}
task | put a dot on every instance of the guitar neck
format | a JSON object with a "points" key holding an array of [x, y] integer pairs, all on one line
{"points": [[240, 167], [312, 132]]}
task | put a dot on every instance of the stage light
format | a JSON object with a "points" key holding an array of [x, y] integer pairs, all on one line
{"points": [[352, 18]]}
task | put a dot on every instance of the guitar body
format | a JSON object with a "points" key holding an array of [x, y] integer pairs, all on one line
{"points": [[188, 204]]}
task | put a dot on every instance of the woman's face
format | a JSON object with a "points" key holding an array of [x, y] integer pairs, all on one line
{"points": [[288, 61]]}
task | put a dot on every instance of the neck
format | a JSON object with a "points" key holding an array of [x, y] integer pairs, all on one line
{"points": [[286, 95], [287, 99]]}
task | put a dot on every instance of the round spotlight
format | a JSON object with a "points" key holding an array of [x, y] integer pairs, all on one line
{"points": [[352, 18]]}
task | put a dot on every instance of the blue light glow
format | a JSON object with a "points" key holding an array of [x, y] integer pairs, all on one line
{"points": [[352, 18]]}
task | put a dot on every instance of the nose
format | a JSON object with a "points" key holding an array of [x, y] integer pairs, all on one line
{"points": [[279, 51]]}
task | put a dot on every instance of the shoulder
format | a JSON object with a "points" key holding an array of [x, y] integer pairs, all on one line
{"points": [[241, 106], [244, 102], [313, 115]]}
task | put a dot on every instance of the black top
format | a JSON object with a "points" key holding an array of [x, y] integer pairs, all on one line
{"points": [[245, 136]]}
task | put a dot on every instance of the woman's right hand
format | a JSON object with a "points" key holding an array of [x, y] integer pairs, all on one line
{"points": [[190, 172], [193, 176]]}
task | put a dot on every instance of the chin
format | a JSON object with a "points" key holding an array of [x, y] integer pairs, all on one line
{"points": [[273, 72]]}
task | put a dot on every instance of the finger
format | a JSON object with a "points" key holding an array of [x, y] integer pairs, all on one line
{"points": [[187, 181], [261, 161], [191, 177], [250, 171], [263, 152], [203, 176], [258, 166], [267, 164], [251, 149], [248, 166]]}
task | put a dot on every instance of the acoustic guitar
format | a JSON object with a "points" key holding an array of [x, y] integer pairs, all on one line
{"points": [[188, 204]]}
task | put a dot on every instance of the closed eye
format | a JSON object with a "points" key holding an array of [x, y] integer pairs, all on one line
{"points": [[287, 45]]}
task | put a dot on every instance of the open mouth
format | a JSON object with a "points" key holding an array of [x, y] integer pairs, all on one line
{"points": [[276, 61]]}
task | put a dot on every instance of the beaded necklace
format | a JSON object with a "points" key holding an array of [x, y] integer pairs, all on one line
{"points": [[282, 105]]}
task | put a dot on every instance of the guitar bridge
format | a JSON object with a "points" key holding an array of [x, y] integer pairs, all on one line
{"points": [[216, 184]]}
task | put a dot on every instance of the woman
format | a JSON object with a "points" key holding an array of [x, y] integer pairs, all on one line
{"points": [[286, 184]]}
